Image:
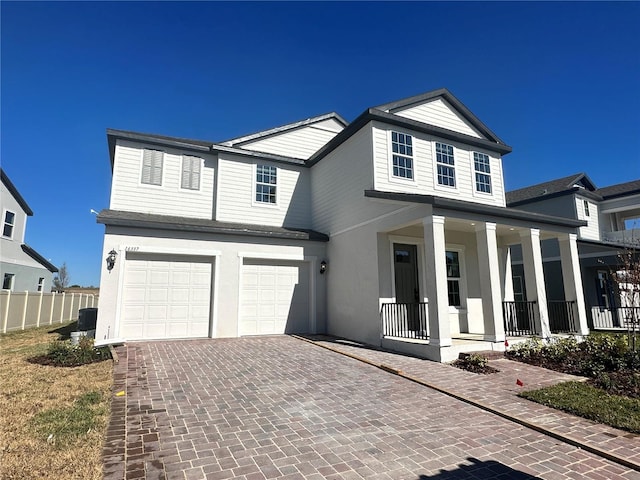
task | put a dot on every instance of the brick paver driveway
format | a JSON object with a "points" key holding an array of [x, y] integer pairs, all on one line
{"points": [[278, 407]]}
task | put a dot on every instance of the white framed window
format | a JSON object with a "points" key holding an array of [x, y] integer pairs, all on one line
{"points": [[7, 281], [266, 184], [40, 283], [453, 278], [446, 170], [8, 222], [191, 167], [482, 168], [402, 155], [586, 208], [152, 167]]}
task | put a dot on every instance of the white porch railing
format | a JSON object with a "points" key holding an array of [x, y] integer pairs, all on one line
{"points": [[618, 317], [626, 237]]}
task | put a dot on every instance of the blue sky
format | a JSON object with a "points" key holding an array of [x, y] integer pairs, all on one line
{"points": [[559, 82]]}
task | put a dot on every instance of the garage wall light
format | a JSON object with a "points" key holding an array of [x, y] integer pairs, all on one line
{"points": [[111, 259], [323, 267]]}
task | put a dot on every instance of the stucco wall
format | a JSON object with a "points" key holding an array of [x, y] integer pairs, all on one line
{"points": [[224, 251]]}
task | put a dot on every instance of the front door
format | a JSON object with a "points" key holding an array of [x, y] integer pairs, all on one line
{"points": [[406, 281]]}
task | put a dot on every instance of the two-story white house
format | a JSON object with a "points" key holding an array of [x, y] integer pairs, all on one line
{"points": [[612, 216], [391, 230], [21, 267]]}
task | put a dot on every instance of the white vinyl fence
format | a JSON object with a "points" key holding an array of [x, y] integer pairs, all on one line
{"points": [[21, 310]]}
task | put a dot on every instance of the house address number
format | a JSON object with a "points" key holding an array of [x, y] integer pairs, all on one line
{"points": [[132, 249]]}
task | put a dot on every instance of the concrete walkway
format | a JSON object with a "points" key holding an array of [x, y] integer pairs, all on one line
{"points": [[281, 407]]}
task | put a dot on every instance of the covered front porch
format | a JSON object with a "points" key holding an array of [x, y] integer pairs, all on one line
{"points": [[446, 283]]}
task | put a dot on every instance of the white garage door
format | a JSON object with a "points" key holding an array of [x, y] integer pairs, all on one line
{"points": [[165, 297], [274, 297]]}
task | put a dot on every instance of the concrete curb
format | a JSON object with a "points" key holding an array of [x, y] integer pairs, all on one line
{"points": [[525, 423]]}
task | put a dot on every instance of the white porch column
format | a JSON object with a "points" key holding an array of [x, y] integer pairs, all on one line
{"points": [[506, 274], [490, 290], [572, 279], [534, 278], [436, 272]]}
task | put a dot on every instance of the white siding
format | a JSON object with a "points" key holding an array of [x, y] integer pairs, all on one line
{"points": [[298, 143], [236, 194], [439, 113], [129, 194], [592, 230], [425, 181], [338, 184]]}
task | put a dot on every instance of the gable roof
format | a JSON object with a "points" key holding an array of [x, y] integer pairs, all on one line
{"points": [[619, 190], [382, 113], [552, 188], [14, 192], [392, 107], [284, 128]]}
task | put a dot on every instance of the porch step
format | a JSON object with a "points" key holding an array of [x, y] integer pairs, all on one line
{"points": [[488, 354]]}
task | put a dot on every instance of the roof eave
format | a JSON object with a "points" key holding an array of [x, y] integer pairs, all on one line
{"points": [[459, 205], [283, 128], [39, 258], [372, 114], [14, 192], [453, 100], [107, 218]]}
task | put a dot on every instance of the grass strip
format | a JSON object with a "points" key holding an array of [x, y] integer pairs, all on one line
{"points": [[589, 402], [66, 425]]}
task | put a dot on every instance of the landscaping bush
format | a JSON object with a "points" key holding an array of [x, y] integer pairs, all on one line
{"points": [[475, 363], [62, 353]]}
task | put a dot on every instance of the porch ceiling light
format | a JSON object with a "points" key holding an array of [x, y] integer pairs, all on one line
{"points": [[323, 267], [111, 259]]}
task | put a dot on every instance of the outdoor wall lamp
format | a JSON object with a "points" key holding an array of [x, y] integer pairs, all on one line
{"points": [[111, 259], [323, 267]]}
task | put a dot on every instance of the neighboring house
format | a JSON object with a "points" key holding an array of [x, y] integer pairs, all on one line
{"points": [[21, 267], [391, 230], [613, 224]]}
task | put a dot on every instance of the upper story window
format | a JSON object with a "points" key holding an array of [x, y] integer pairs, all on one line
{"points": [[9, 222], [586, 208], [40, 283], [483, 172], [191, 172], [453, 278], [446, 165], [402, 155], [266, 183], [152, 167]]}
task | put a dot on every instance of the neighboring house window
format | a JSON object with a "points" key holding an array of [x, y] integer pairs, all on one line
{"points": [[586, 208], [483, 172], [604, 289], [266, 183], [446, 169], [152, 167], [191, 173], [402, 148], [7, 282], [9, 222], [40, 283], [453, 278]]}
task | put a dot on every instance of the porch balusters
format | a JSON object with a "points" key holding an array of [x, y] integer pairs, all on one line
{"points": [[519, 318], [405, 320], [562, 318]]}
